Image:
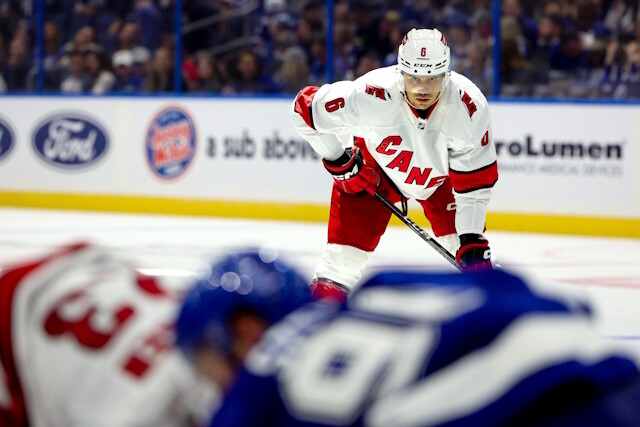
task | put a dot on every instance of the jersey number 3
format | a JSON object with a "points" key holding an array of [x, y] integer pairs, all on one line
{"points": [[75, 314]]}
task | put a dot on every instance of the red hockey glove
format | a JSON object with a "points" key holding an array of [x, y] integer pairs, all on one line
{"points": [[474, 253], [322, 288], [352, 173]]}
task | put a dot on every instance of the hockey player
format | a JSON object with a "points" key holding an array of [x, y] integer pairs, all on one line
{"points": [[419, 131], [407, 349], [87, 341]]}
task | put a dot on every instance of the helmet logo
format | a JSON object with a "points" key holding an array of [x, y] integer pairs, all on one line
{"points": [[405, 39], [423, 52], [443, 40]]}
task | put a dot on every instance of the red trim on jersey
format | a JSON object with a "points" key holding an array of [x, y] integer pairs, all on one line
{"points": [[464, 182], [303, 104], [149, 285], [16, 414], [429, 110]]}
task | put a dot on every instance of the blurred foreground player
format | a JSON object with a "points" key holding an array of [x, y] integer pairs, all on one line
{"points": [[87, 341], [407, 349], [418, 131]]}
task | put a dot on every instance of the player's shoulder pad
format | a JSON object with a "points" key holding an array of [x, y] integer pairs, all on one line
{"points": [[379, 85]]}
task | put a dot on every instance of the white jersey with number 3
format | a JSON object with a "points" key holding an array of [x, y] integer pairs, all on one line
{"points": [[87, 341]]}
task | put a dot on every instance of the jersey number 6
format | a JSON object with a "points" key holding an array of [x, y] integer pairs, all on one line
{"points": [[334, 105]]}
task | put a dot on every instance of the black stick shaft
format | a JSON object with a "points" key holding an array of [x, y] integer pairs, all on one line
{"points": [[416, 229]]}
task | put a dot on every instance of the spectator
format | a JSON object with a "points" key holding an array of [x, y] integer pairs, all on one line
{"points": [[366, 28], [75, 79], [478, 67], [11, 15], [459, 39], [568, 56], [81, 39], [52, 43], [126, 79], [621, 16], [515, 70], [631, 75], [100, 79], [294, 71], [141, 64], [367, 62], [17, 68], [148, 17], [549, 32], [587, 19], [129, 36], [228, 29], [318, 61], [395, 37], [161, 75], [208, 78], [248, 77], [345, 52], [588, 85], [389, 22], [480, 22], [528, 25], [284, 41], [511, 29]]}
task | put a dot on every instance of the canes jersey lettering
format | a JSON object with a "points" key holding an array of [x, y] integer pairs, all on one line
{"points": [[455, 140], [86, 341], [416, 349]]}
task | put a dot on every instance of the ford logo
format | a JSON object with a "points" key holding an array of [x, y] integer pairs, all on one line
{"points": [[6, 139], [70, 141]]}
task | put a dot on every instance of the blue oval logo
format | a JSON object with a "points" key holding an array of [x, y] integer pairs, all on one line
{"points": [[6, 139], [170, 143], [70, 141]]}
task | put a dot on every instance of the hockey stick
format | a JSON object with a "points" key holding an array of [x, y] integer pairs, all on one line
{"points": [[419, 231]]}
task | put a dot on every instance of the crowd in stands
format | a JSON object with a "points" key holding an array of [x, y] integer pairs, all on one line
{"points": [[548, 49]]}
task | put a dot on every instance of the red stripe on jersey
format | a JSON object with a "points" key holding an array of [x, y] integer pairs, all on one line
{"points": [[303, 104], [429, 110], [16, 413], [464, 182]]}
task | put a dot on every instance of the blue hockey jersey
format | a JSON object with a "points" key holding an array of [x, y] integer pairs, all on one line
{"points": [[421, 349]]}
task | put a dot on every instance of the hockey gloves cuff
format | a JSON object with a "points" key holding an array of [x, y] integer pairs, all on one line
{"points": [[352, 174], [474, 253]]}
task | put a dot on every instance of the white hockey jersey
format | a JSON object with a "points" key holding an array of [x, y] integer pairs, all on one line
{"points": [[455, 140], [86, 341]]}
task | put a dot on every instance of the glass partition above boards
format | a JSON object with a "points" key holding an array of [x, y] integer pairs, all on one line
{"points": [[553, 49]]}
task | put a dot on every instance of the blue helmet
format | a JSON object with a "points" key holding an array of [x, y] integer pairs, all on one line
{"points": [[244, 281]]}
